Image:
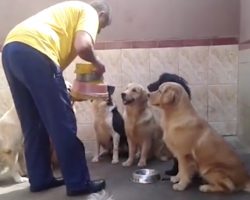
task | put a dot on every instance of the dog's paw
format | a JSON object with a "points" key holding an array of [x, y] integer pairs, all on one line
{"points": [[179, 187], [204, 188], [174, 179], [115, 161], [95, 159], [127, 163], [21, 179], [142, 164]]}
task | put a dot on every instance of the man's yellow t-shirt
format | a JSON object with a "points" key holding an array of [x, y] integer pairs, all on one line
{"points": [[52, 30]]}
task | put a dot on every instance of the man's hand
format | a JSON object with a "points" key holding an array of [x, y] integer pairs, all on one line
{"points": [[99, 68]]}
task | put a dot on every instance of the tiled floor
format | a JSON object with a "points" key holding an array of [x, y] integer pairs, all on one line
{"points": [[121, 188]]}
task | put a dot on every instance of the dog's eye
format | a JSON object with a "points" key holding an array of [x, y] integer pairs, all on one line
{"points": [[133, 90]]}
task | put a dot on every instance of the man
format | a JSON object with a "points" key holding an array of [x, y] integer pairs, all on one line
{"points": [[34, 54]]}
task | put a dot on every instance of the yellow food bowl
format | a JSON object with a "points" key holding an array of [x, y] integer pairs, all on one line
{"points": [[88, 84], [84, 68]]}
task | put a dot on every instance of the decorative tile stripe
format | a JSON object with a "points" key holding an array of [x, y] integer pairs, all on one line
{"points": [[164, 43], [244, 45]]}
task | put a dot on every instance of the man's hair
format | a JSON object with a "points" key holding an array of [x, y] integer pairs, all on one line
{"points": [[102, 6]]}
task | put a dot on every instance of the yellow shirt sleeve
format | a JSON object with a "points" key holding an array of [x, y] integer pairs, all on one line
{"points": [[88, 21]]}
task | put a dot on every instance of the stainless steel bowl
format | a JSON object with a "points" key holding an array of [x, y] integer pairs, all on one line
{"points": [[146, 176]]}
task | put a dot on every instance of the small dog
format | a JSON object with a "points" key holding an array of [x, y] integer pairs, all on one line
{"points": [[109, 128], [196, 145], [12, 162], [141, 127], [167, 77]]}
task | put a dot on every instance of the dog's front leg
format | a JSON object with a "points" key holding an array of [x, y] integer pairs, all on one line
{"points": [[15, 171], [146, 146], [22, 163], [17, 178], [116, 141], [132, 151], [186, 170], [97, 152], [176, 178]]}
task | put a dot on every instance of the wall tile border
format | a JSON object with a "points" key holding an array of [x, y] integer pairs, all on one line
{"points": [[164, 43], [244, 45]]}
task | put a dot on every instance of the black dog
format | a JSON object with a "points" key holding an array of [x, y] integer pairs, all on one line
{"points": [[167, 77]]}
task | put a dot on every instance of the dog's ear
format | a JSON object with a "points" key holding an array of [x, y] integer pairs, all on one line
{"points": [[144, 95], [168, 96]]}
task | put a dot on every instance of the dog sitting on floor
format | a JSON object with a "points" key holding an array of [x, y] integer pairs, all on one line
{"points": [[12, 159], [168, 77], [109, 128], [197, 146], [12, 162], [143, 131]]}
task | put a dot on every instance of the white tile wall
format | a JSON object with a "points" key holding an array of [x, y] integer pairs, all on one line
{"points": [[211, 71]]}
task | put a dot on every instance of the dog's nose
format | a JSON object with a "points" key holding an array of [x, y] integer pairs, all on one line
{"points": [[123, 95]]}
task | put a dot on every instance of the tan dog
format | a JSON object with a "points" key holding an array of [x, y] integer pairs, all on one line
{"points": [[143, 132], [196, 145], [11, 147], [105, 134]]}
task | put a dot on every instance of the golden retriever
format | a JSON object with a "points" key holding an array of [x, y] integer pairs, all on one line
{"points": [[196, 145], [11, 147], [143, 131], [12, 159]]}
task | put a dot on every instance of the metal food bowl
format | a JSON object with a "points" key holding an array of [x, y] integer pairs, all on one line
{"points": [[146, 176]]}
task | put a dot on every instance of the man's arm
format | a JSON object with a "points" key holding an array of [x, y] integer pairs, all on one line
{"points": [[84, 48]]}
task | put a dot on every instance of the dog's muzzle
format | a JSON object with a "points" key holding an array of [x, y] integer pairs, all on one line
{"points": [[125, 100]]}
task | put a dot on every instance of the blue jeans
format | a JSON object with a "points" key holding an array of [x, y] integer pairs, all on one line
{"points": [[44, 109]]}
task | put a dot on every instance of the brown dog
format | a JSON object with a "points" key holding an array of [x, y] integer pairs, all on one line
{"points": [[196, 145], [143, 132]]}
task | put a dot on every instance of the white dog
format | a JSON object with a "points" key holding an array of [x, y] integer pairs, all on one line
{"points": [[11, 147], [12, 161]]}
